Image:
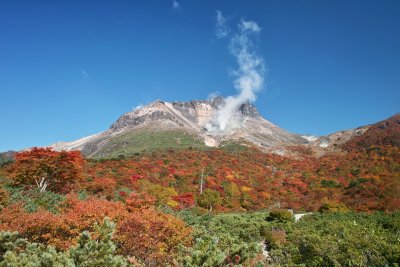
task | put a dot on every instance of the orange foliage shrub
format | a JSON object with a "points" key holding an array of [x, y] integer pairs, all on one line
{"points": [[60, 230], [41, 226], [139, 201], [152, 236], [83, 214]]}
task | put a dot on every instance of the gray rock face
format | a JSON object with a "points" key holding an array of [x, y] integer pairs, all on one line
{"points": [[190, 110], [250, 110]]}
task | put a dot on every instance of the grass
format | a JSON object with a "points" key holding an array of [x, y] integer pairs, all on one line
{"points": [[233, 147], [128, 144]]}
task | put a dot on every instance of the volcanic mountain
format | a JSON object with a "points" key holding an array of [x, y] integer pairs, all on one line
{"points": [[183, 125]]}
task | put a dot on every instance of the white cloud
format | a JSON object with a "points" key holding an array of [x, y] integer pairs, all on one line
{"points": [[175, 5], [250, 25], [84, 73], [213, 95], [138, 107], [221, 27]]}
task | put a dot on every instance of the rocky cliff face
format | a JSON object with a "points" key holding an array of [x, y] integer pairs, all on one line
{"points": [[190, 118]]}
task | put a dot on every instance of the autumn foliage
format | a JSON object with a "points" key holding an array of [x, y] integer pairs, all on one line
{"points": [[152, 236], [133, 192], [60, 230], [48, 169]]}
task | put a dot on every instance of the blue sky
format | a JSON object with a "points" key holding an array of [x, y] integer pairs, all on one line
{"points": [[70, 68]]}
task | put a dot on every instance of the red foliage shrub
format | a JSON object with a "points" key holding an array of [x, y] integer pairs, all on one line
{"points": [[57, 171], [185, 200], [102, 186]]}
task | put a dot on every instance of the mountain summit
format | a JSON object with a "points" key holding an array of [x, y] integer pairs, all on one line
{"points": [[182, 124]]}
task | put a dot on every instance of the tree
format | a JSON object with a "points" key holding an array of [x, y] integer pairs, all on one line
{"points": [[47, 169], [208, 199]]}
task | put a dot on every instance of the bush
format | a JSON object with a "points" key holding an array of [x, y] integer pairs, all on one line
{"points": [[34, 199], [99, 251], [333, 207], [275, 237], [4, 196], [60, 230], [341, 239], [280, 215], [152, 237], [209, 199], [229, 239]]}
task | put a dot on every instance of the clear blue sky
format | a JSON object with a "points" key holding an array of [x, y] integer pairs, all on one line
{"points": [[70, 68]]}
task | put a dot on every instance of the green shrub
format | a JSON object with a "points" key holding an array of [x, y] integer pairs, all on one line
{"points": [[341, 239], [275, 238], [333, 207], [98, 251], [90, 252], [209, 199], [280, 215], [34, 199], [224, 239]]}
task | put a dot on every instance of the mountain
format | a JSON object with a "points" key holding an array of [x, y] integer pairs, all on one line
{"points": [[6, 157], [386, 133], [182, 124]]}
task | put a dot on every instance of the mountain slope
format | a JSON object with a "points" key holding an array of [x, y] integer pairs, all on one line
{"points": [[386, 132], [180, 124]]}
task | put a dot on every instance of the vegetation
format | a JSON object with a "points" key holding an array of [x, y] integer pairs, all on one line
{"points": [[89, 252], [251, 180], [340, 239], [147, 141], [44, 168], [201, 208]]}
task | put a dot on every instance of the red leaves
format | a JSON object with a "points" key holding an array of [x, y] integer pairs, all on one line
{"points": [[185, 200], [292, 181], [57, 171], [172, 171], [136, 177], [139, 201], [103, 186]]}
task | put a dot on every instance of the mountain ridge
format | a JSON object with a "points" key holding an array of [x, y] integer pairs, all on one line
{"points": [[177, 124], [192, 117]]}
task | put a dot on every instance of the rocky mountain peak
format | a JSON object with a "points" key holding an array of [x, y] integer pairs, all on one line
{"points": [[192, 118], [249, 109]]}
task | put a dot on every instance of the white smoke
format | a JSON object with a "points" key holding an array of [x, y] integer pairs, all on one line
{"points": [[249, 75], [221, 27]]}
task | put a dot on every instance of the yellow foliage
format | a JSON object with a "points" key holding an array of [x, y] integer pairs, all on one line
{"points": [[172, 203], [266, 195], [246, 189]]}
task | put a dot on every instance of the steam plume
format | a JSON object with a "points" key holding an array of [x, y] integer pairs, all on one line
{"points": [[249, 75]]}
